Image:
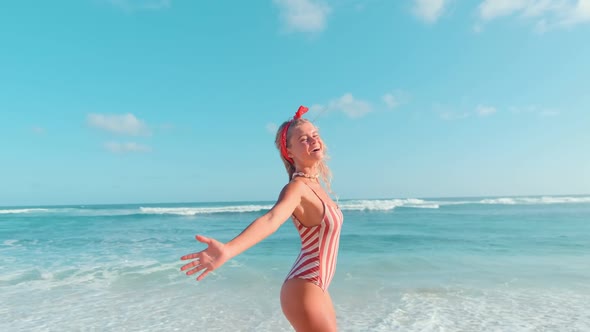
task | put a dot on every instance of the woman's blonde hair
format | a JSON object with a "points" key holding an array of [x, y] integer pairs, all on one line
{"points": [[323, 170]]}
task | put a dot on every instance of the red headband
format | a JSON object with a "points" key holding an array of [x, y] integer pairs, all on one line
{"points": [[302, 110]]}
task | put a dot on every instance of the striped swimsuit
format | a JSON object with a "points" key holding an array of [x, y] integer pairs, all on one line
{"points": [[316, 262]]}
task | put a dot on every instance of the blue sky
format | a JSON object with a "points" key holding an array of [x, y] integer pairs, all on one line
{"points": [[122, 101]]}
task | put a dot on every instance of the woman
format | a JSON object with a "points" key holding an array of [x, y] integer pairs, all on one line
{"points": [[304, 297]]}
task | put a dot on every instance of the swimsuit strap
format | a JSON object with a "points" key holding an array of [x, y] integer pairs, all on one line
{"points": [[321, 200]]}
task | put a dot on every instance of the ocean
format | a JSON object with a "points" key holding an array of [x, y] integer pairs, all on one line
{"points": [[462, 264]]}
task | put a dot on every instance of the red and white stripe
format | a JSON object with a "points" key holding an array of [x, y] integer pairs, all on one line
{"points": [[319, 249]]}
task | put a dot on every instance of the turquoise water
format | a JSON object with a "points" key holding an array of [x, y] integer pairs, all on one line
{"points": [[467, 264]]}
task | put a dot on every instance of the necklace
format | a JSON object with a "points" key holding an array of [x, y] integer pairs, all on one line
{"points": [[305, 175]]}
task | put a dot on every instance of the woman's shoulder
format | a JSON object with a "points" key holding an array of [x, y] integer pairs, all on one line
{"points": [[293, 190], [295, 184]]}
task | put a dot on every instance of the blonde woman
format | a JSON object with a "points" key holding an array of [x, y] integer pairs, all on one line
{"points": [[304, 295]]}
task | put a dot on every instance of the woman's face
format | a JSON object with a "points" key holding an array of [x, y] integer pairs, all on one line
{"points": [[305, 144]]}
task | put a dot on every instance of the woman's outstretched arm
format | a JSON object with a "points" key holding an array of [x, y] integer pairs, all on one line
{"points": [[217, 253]]}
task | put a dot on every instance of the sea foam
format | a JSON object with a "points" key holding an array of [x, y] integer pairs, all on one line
{"points": [[352, 205], [191, 211]]}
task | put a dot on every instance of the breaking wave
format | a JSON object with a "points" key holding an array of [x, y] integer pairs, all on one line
{"points": [[351, 205]]}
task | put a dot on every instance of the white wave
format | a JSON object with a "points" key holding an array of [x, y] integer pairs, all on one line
{"points": [[560, 200], [358, 205], [390, 204], [495, 309], [191, 211], [72, 211], [15, 211], [387, 204], [104, 273], [101, 212], [505, 201], [536, 200], [10, 243]]}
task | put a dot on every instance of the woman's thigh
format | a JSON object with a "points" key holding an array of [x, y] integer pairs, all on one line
{"points": [[307, 307]]}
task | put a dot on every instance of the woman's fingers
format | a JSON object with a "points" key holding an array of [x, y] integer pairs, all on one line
{"points": [[203, 260], [203, 239], [190, 256], [191, 264], [203, 275], [195, 270], [197, 267]]}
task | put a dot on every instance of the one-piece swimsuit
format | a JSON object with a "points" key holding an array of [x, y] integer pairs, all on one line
{"points": [[316, 262]]}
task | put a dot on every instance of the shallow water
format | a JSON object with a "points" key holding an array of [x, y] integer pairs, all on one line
{"points": [[468, 264]]}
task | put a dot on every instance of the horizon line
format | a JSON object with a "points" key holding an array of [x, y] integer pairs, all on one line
{"points": [[267, 201]]}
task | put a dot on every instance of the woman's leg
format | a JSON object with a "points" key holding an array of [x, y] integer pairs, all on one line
{"points": [[307, 307], [331, 306]]}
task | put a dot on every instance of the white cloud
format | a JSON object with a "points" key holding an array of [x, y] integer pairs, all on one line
{"points": [[303, 15], [458, 113], [126, 124], [485, 110], [578, 14], [390, 100], [522, 110], [546, 14], [117, 147], [38, 130], [347, 104], [132, 5], [546, 113], [490, 9], [395, 99], [359, 7], [166, 127], [453, 115], [272, 128], [542, 7], [448, 113], [429, 10], [534, 110]]}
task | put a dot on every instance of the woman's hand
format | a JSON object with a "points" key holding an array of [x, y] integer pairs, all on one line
{"points": [[209, 259]]}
